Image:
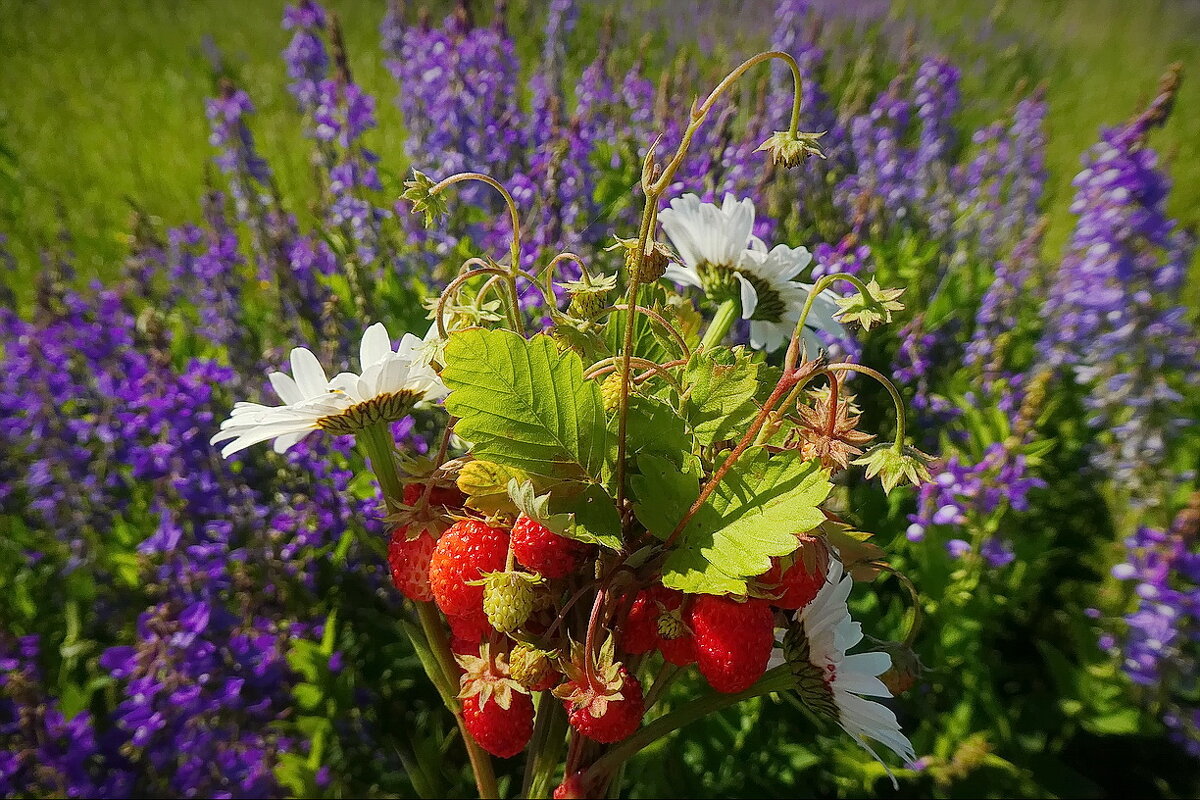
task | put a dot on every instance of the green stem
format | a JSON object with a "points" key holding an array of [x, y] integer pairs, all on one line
{"points": [[722, 321], [777, 680], [897, 400], [431, 644], [820, 286], [546, 758]]}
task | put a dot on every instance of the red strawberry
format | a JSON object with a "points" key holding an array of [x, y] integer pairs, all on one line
{"points": [[466, 550], [409, 560], [544, 551], [572, 788], [470, 627], [733, 640], [446, 496], [503, 732], [656, 621], [793, 587], [618, 717], [640, 632], [497, 711]]}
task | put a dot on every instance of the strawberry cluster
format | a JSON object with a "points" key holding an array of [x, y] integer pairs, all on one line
{"points": [[526, 614]]}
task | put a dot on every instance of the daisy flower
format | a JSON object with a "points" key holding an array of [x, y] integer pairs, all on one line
{"points": [[722, 257], [835, 684], [390, 385]]}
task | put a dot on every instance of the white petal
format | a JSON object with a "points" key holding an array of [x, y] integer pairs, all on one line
{"points": [[375, 345], [308, 374], [285, 387], [748, 295]]}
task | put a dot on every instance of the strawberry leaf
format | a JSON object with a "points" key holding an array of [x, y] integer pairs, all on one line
{"points": [[522, 404], [755, 514], [721, 383]]}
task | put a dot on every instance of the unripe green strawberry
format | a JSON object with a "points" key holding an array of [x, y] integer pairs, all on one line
{"points": [[587, 302], [509, 598], [532, 667], [610, 392]]}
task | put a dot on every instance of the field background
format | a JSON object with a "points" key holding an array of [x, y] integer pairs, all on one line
{"points": [[93, 115]]}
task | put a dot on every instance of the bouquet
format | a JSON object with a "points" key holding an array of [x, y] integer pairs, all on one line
{"points": [[619, 496]]}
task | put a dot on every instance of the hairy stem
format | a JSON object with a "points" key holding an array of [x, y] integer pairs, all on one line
{"points": [[897, 400]]}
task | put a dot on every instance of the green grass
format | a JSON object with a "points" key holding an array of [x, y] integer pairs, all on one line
{"points": [[98, 108], [101, 107]]}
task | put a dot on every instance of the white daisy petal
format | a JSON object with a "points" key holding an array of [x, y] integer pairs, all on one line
{"points": [[749, 297], [375, 345], [311, 400], [307, 372], [830, 631]]}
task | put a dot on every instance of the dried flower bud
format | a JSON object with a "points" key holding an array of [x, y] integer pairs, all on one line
{"points": [[791, 149]]}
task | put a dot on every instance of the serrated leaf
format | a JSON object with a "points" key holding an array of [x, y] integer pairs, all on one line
{"points": [[596, 518], [754, 514], [653, 428], [662, 494], [523, 404], [720, 384], [485, 483]]}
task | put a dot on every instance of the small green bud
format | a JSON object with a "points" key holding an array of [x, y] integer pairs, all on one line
{"points": [[652, 266], [895, 464], [870, 309], [418, 191]]}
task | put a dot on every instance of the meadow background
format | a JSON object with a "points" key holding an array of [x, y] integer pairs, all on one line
{"points": [[136, 567]]}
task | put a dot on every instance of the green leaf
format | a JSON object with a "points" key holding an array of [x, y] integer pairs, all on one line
{"points": [[523, 404], [653, 428], [662, 494], [754, 514], [720, 385]]}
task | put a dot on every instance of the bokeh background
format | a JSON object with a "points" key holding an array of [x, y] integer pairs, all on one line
{"points": [[172, 624]]}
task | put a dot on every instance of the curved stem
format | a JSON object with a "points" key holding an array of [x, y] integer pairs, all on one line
{"points": [[548, 273], [727, 313], [777, 680], [454, 286], [609, 365], [700, 112], [515, 242], [897, 400], [431, 644], [793, 351], [918, 612], [662, 321]]}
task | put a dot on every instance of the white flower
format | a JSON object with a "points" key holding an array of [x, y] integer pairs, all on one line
{"points": [[307, 400], [722, 257], [391, 383], [707, 236], [834, 683]]}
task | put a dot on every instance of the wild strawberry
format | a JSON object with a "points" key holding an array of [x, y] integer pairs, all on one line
{"points": [[733, 640], [508, 598], [501, 731], [497, 711], [409, 560], [640, 631], [532, 668], [466, 550], [544, 551], [656, 621], [610, 392], [605, 704], [470, 627], [791, 586], [445, 496]]}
